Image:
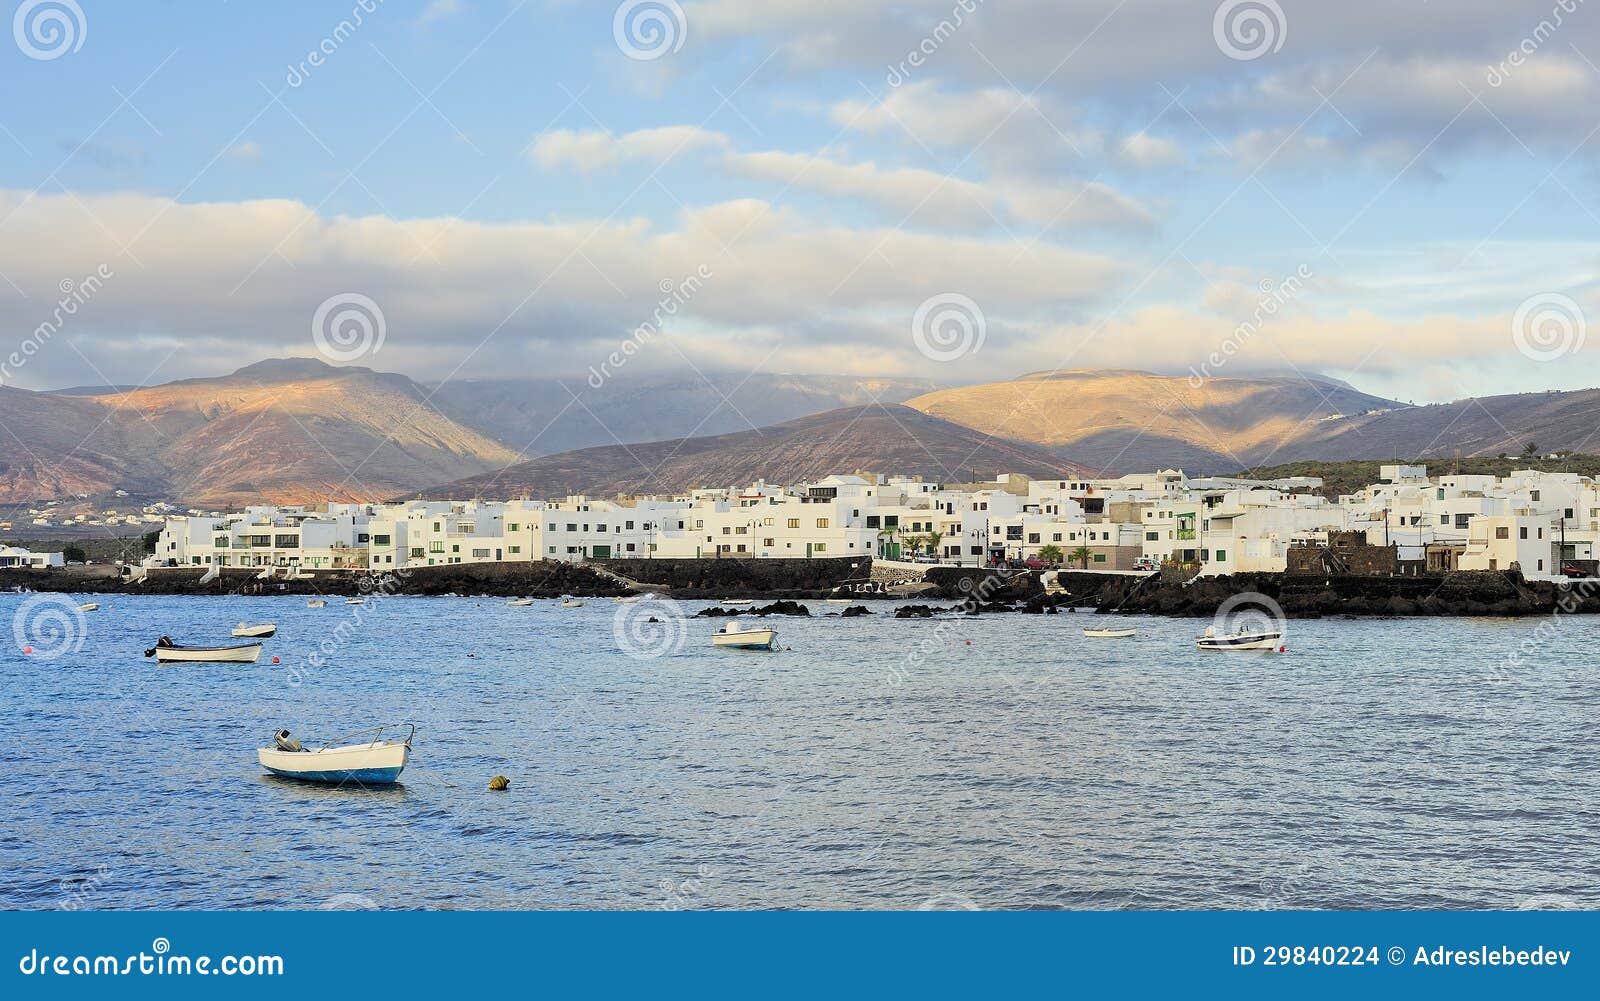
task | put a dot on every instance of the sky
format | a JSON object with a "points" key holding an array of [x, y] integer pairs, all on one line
{"points": [[1399, 194]]}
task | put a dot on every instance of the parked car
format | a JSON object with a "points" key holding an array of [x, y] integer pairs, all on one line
{"points": [[1570, 571], [1035, 563], [1147, 564]]}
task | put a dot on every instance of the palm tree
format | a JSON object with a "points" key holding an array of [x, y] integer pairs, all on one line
{"points": [[1083, 554], [1050, 553]]}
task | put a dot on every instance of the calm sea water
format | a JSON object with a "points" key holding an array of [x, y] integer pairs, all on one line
{"points": [[998, 762]]}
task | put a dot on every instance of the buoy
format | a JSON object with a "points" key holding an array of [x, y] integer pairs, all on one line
{"points": [[499, 784], [27, 649], [969, 642], [274, 660]]}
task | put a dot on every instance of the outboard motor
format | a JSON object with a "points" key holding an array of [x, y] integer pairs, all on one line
{"points": [[284, 742]]}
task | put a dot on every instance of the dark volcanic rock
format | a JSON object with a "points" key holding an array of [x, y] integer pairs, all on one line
{"points": [[776, 608]]}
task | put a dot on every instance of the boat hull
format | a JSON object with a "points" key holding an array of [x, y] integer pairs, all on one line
{"points": [[1258, 642], [1109, 634], [246, 654], [754, 639], [368, 764], [254, 632]]}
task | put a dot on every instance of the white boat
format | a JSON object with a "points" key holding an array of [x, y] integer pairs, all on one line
{"points": [[355, 601], [570, 602], [840, 601], [737, 637], [731, 602], [316, 603], [630, 599], [261, 632], [519, 602], [89, 606], [1109, 633], [165, 652], [372, 762], [1269, 639]]}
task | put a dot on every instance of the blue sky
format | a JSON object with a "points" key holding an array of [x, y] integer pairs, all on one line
{"points": [[1107, 184]]}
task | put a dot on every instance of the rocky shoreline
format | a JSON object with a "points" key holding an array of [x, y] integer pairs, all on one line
{"points": [[1485, 593]]}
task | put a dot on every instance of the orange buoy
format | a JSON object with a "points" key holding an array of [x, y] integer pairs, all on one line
{"points": [[274, 660], [27, 649]]}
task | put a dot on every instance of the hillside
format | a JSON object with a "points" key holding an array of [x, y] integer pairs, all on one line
{"points": [[1344, 477], [546, 416], [876, 438], [1483, 426], [284, 430], [1122, 421]]}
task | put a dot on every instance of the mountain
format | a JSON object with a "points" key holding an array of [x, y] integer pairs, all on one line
{"points": [[285, 430], [546, 416], [1124, 421], [1482, 426], [884, 439]]}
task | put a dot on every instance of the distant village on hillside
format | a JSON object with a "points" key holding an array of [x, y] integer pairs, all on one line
{"points": [[1542, 523]]}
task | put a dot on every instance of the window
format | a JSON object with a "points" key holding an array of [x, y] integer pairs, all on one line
{"points": [[1522, 532], [480, 554], [1222, 556], [513, 527], [599, 528], [455, 548], [822, 523], [1033, 538], [416, 552], [1462, 519], [820, 547], [1502, 533], [726, 530], [435, 547], [1099, 557], [517, 549], [1152, 536], [572, 526], [552, 528], [872, 521], [380, 540], [769, 543]]}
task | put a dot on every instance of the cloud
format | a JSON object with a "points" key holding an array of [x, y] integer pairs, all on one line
{"points": [[245, 152], [436, 11], [591, 150], [220, 283]]}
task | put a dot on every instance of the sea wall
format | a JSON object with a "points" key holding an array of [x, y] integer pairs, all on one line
{"points": [[731, 576]]}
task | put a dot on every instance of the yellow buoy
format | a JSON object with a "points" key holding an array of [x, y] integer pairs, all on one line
{"points": [[499, 783]]}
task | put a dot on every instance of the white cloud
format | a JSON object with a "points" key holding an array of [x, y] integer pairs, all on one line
{"points": [[593, 149]]}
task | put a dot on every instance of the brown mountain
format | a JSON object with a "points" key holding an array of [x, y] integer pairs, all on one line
{"points": [[1121, 421], [880, 438], [545, 416], [287, 430]]}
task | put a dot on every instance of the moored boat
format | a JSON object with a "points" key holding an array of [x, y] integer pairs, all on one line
{"points": [[630, 599], [1263, 639], [89, 606], [737, 637], [316, 603], [165, 652], [731, 602], [568, 601], [371, 762], [355, 601], [519, 602], [258, 632], [1108, 633]]}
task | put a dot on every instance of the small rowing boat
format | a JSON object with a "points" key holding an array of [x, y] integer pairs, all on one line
{"points": [[732, 602], [316, 603], [1108, 634], [1264, 639], [371, 762], [737, 637], [519, 602], [568, 601], [355, 601], [165, 652], [261, 632], [89, 606]]}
